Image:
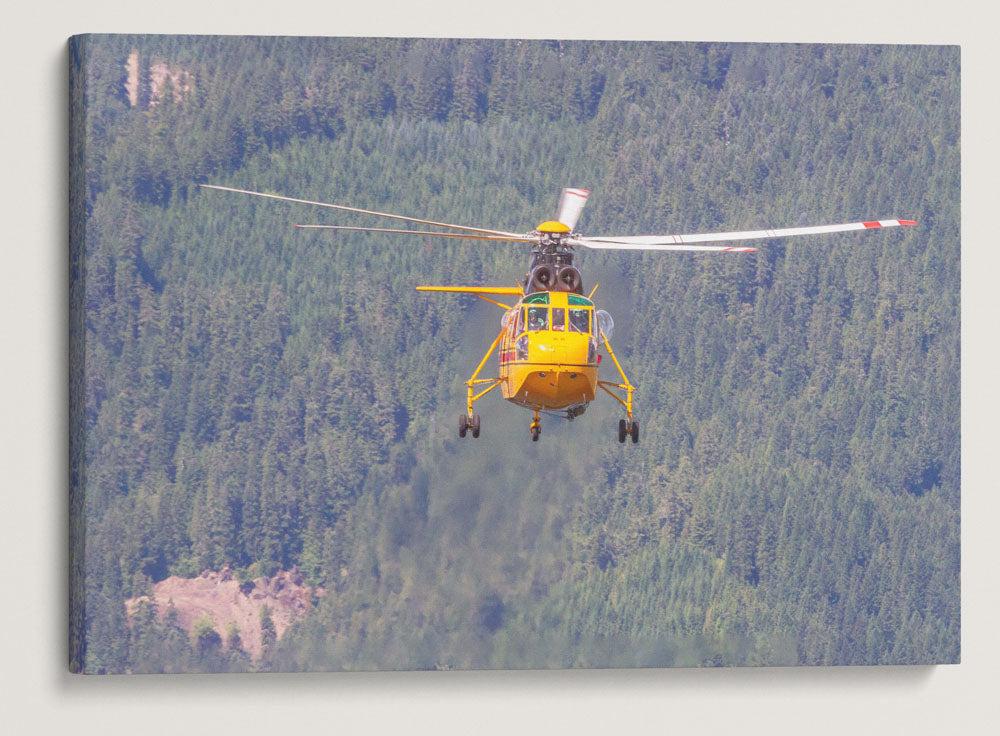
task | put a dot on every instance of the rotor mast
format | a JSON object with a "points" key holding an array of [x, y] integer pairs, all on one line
{"points": [[552, 255]]}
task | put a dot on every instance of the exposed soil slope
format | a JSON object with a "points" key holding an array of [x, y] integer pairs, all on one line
{"points": [[221, 595]]}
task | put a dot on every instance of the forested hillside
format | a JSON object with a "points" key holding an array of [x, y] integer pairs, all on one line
{"points": [[245, 393]]}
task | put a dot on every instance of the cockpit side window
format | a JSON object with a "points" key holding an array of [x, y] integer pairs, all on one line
{"points": [[538, 318], [579, 320], [510, 323]]}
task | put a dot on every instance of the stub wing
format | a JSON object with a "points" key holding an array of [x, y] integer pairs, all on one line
{"points": [[508, 290], [479, 291], [689, 241]]}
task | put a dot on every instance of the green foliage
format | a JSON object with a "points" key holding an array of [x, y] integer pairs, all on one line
{"points": [[185, 567], [261, 568], [255, 396], [205, 635]]}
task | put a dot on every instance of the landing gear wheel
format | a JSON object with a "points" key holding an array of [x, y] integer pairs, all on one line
{"points": [[635, 432], [535, 431], [463, 425], [622, 430], [475, 426]]}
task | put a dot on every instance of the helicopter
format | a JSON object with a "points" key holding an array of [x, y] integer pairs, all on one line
{"points": [[547, 348]]}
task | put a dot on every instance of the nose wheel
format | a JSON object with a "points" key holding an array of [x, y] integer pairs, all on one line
{"points": [[628, 428], [536, 427]]}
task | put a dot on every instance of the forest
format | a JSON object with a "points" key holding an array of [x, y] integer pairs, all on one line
{"points": [[243, 393]]}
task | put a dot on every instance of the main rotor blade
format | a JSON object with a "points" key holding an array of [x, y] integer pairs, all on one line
{"points": [[571, 205], [678, 242], [519, 239], [364, 212], [608, 245]]}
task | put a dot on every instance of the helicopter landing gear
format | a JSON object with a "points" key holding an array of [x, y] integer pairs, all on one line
{"points": [[536, 427], [469, 420], [465, 423], [628, 429]]}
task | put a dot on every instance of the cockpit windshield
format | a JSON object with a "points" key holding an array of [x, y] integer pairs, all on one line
{"points": [[533, 317]]}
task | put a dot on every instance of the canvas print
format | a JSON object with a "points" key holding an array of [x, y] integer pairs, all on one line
{"points": [[494, 353]]}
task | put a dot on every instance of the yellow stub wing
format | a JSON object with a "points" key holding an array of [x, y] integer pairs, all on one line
{"points": [[508, 290]]}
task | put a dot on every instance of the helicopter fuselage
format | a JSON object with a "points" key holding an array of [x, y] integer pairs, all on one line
{"points": [[547, 348], [548, 352]]}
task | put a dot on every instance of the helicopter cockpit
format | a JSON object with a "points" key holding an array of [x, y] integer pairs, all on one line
{"points": [[537, 314]]}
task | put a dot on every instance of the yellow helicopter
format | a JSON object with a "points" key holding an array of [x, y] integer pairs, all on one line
{"points": [[549, 339]]}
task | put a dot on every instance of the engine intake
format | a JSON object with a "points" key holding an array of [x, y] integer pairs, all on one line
{"points": [[543, 278], [570, 279]]}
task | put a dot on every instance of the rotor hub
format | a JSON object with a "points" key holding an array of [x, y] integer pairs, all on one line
{"points": [[552, 226]]}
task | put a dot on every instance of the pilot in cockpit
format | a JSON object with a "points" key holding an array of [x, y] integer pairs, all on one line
{"points": [[538, 318]]}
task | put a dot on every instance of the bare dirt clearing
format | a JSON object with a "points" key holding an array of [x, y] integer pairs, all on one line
{"points": [[222, 596]]}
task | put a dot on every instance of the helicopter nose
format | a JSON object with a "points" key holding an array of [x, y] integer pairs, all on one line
{"points": [[563, 348]]}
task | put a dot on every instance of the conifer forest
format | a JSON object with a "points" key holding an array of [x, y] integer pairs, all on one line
{"points": [[250, 395]]}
